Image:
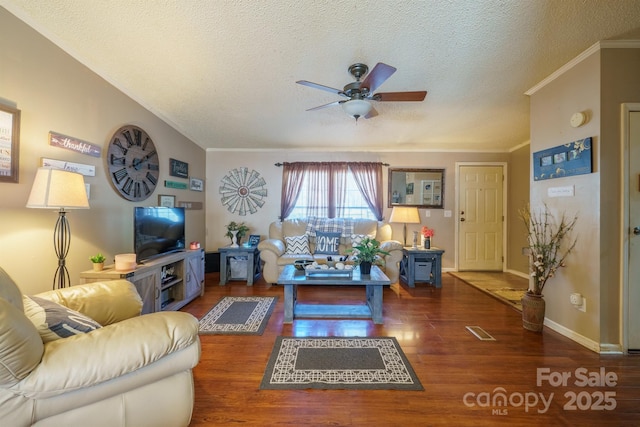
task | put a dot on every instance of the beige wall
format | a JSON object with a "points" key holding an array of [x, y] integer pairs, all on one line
{"points": [[219, 163], [598, 85], [519, 166], [56, 93]]}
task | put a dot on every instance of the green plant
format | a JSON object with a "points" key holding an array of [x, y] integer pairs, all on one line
{"points": [[368, 251], [549, 244], [240, 227], [97, 259]]}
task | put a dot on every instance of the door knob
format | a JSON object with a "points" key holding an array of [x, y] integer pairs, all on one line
{"points": [[636, 230]]}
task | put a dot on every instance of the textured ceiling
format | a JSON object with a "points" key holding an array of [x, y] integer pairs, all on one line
{"points": [[223, 72]]}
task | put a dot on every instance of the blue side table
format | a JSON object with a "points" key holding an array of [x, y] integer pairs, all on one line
{"points": [[251, 254], [420, 265]]}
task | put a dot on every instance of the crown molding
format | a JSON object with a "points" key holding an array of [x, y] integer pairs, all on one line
{"points": [[596, 47]]}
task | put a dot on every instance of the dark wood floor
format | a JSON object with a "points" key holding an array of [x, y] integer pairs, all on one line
{"points": [[451, 363]]}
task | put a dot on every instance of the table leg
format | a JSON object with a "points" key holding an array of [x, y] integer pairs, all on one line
{"points": [[223, 268], [374, 300], [289, 302], [250, 266]]}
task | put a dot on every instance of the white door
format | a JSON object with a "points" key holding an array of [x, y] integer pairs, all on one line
{"points": [[480, 218], [633, 300]]}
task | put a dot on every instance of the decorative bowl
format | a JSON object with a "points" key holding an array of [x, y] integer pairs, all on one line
{"points": [[300, 264]]}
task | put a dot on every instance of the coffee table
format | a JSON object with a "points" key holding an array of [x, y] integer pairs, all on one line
{"points": [[291, 278]]}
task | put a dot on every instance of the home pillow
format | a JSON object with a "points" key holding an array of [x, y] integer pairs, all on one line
{"points": [[297, 245], [54, 321], [327, 243]]}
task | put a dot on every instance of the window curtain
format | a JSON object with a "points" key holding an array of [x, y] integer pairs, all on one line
{"points": [[368, 177], [326, 183], [292, 179]]}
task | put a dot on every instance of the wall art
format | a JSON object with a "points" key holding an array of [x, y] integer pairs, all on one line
{"points": [[178, 168], [196, 184], [243, 191], [174, 184], [74, 144], [190, 206], [166, 200], [574, 158], [9, 143], [86, 170]]}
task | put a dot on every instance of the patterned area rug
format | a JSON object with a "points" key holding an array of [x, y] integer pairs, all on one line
{"points": [[506, 287], [238, 316], [339, 363]]}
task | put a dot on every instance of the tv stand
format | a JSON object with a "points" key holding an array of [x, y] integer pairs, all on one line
{"points": [[166, 282]]}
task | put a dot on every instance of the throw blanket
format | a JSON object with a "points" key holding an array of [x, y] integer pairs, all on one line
{"points": [[344, 226]]}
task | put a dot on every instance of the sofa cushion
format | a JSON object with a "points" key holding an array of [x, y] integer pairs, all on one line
{"points": [[54, 321], [327, 243], [297, 245]]}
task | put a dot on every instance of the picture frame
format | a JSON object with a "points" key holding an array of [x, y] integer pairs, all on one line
{"points": [[570, 159], [253, 240], [167, 201], [9, 143], [178, 168], [196, 184]]}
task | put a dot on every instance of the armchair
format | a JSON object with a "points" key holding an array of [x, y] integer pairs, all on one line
{"points": [[132, 371]]}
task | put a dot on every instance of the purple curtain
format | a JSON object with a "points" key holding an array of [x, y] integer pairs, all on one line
{"points": [[292, 179], [368, 177]]}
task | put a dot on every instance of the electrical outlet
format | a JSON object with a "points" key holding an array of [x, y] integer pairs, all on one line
{"points": [[575, 299]]}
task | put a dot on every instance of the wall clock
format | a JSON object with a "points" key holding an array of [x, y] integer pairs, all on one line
{"points": [[243, 191], [133, 163]]}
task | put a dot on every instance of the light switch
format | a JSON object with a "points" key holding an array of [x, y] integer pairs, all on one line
{"points": [[427, 213], [447, 214]]}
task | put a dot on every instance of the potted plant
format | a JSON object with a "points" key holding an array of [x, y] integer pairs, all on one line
{"points": [[427, 234], [367, 253], [98, 262], [236, 231], [549, 244]]}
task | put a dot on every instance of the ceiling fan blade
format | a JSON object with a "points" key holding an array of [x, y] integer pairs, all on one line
{"points": [[321, 87], [331, 104], [380, 73], [400, 96]]}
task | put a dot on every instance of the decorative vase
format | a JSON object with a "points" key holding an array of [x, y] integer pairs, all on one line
{"points": [[533, 308], [98, 266], [427, 242], [234, 239], [365, 268]]}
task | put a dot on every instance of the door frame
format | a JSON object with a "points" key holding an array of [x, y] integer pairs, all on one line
{"points": [[626, 109], [505, 202]]}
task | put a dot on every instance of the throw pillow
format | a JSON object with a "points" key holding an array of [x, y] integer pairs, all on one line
{"points": [[297, 245], [327, 243], [54, 321]]}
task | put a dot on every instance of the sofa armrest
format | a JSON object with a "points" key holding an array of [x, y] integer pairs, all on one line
{"points": [[274, 245], [390, 245], [107, 353], [104, 302]]}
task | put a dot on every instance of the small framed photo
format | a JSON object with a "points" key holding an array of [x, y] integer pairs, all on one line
{"points": [[196, 184], [167, 201], [560, 157], [253, 241], [546, 160], [9, 143]]}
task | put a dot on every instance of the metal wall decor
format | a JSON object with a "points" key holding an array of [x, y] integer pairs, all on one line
{"points": [[243, 191]]}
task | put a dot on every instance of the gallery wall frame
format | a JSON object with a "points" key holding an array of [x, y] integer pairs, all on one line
{"points": [[574, 158], [9, 143]]}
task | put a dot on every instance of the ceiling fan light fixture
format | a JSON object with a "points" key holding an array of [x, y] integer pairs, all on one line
{"points": [[357, 108]]}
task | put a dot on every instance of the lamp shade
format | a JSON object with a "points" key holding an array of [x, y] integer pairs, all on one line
{"points": [[407, 215], [356, 107], [58, 189]]}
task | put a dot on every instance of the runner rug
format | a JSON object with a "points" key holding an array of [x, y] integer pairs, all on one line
{"points": [[238, 316], [339, 363]]}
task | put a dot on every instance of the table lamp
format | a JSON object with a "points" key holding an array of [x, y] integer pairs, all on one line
{"points": [[59, 189], [405, 215]]}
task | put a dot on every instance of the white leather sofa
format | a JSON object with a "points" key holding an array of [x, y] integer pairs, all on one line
{"points": [[273, 250], [133, 371]]}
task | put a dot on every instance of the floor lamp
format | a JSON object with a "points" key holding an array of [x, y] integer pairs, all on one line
{"points": [[59, 189], [405, 215]]}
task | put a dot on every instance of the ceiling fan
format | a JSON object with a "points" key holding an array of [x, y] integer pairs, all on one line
{"points": [[360, 93]]}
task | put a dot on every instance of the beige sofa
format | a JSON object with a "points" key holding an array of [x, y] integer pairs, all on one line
{"points": [[133, 371], [273, 250]]}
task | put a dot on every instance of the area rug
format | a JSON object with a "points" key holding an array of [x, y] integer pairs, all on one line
{"points": [[339, 363], [238, 316], [505, 287]]}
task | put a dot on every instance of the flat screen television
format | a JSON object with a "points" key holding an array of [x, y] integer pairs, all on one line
{"points": [[157, 231]]}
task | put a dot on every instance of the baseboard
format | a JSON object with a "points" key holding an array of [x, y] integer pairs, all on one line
{"points": [[518, 273], [572, 335], [611, 349]]}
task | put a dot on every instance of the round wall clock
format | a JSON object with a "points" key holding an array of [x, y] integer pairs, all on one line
{"points": [[243, 191], [133, 163]]}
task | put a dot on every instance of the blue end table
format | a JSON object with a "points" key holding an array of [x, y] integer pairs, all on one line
{"points": [[420, 265]]}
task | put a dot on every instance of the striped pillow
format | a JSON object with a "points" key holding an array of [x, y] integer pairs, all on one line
{"points": [[297, 245]]}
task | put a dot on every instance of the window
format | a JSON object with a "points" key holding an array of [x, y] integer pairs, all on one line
{"points": [[336, 189]]}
